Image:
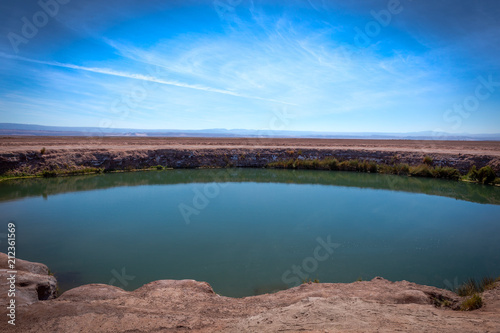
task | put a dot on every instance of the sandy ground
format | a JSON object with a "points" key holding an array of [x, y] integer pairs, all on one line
{"points": [[35, 143]]}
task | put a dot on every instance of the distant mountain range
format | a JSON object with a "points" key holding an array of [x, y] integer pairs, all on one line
{"points": [[39, 130]]}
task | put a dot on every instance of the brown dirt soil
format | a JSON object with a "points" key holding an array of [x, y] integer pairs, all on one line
{"points": [[187, 305], [35, 143]]}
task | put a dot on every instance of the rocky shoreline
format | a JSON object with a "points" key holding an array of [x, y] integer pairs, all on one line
{"points": [[23, 156], [109, 160], [187, 305]]}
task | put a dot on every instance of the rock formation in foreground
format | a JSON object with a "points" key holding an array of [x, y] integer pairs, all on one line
{"points": [[180, 306]]}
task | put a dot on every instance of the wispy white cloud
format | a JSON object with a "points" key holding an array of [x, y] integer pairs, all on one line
{"points": [[107, 71], [309, 69]]}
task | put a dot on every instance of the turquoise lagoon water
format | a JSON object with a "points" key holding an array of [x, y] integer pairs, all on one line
{"points": [[250, 231]]}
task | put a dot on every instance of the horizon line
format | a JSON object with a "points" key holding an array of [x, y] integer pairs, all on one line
{"points": [[111, 129]]}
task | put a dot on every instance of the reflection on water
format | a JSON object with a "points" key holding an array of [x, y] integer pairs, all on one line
{"points": [[44, 187], [257, 231]]}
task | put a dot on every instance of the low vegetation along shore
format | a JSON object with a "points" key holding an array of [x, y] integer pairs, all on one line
{"points": [[485, 175]]}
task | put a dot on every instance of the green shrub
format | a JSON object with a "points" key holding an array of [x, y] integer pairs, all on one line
{"points": [[294, 164], [350, 165], [366, 166], [428, 160], [159, 167], [314, 164], [400, 169], [42, 151], [384, 168], [24, 171], [288, 164], [447, 173], [83, 171], [422, 171], [49, 173], [488, 283], [473, 174], [331, 163], [343, 166], [486, 175], [372, 167], [353, 165], [405, 168], [441, 301], [469, 288], [472, 303]]}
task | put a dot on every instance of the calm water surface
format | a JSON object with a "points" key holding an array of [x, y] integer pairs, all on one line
{"points": [[248, 231]]}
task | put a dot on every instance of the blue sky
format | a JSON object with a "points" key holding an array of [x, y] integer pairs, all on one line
{"points": [[315, 65]]}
